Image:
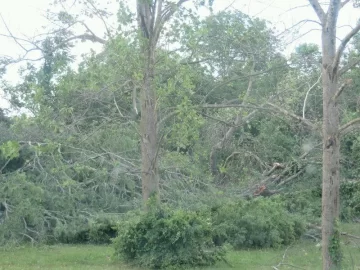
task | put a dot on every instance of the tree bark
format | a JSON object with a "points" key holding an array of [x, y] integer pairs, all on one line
{"points": [[331, 253], [148, 120], [148, 129], [152, 15], [331, 148]]}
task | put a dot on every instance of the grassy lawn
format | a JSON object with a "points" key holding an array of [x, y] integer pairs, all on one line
{"points": [[303, 255]]}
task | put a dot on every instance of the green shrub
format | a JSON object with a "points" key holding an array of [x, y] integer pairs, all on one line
{"points": [[74, 231], [257, 223], [102, 230], [306, 203], [350, 200], [21, 211], [164, 238], [81, 230]]}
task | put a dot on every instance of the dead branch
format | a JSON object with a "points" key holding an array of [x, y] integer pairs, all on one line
{"points": [[275, 166], [292, 115], [319, 228], [230, 124], [350, 235], [349, 66], [312, 236], [239, 119], [287, 180], [282, 261], [264, 191], [348, 127], [246, 153], [339, 91], [222, 106], [307, 94]]}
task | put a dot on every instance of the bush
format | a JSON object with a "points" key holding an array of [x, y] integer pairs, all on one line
{"points": [[164, 238], [21, 211], [258, 223], [73, 231], [81, 230], [102, 230], [350, 200], [306, 203]]}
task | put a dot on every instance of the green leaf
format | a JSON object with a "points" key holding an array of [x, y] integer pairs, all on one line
{"points": [[10, 149]]}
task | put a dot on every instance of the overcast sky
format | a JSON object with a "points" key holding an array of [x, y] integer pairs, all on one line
{"points": [[26, 18]]}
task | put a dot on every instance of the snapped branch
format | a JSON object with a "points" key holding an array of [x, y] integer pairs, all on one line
{"points": [[349, 66], [341, 89], [348, 127], [307, 94], [292, 115]]}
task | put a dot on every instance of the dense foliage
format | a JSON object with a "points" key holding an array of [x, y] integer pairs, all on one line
{"points": [[164, 239], [235, 115], [259, 223]]}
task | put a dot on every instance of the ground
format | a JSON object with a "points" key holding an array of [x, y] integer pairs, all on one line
{"points": [[305, 254]]}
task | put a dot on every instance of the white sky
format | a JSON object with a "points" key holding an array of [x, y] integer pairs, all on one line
{"points": [[26, 18]]}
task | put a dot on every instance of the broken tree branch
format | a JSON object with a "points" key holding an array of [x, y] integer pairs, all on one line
{"points": [[348, 127], [287, 180], [350, 235], [292, 115], [341, 89], [348, 66]]}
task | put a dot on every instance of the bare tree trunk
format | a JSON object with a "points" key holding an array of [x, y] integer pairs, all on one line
{"points": [[152, 15], [148, 121], [331, 149], [331, 252], [148, 130]]}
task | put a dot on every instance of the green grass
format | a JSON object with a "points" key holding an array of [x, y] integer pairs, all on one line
{"points": [[303, 255], [70, 257]]}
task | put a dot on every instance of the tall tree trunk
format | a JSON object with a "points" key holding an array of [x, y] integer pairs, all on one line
{"points": [[148, 121], [331, 130], [152, 15], [148, 130], [331, 150]]}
